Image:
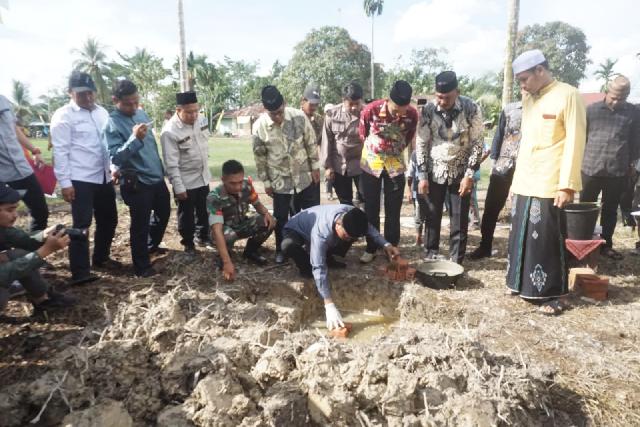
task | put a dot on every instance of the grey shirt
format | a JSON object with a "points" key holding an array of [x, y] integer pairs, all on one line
{"points": [[13, 163]]}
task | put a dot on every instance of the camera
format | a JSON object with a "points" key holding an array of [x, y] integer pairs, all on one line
{"points": [[73, 233]]}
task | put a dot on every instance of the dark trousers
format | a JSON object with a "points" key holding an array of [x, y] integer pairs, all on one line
{"points": [[611, 188], [32, 281], [149, 207], [343, 185], [497, 194], [34, 199], [294, 247], [419, 213], [626, 199], [459, 219], [92, 200], [370, 187], [193, 218], [283, 204]]}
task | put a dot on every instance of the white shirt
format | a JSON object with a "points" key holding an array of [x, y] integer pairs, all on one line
{"points": [[79, 152]]}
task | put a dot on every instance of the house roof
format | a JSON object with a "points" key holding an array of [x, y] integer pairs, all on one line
{"points": [[253, 110], [592, 97]]}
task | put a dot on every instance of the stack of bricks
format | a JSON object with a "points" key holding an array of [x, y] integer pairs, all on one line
{"points": [[398, 270], [586, 282]]}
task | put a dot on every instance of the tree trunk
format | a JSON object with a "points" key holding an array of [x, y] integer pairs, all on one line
{"points": [[184, 77], [512, 33], [373, 81]]}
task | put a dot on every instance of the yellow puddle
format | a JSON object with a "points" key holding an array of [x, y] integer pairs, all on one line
{"points": [[366, 326]]}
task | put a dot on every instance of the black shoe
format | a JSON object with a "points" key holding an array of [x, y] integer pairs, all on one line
{"points": [[108, 264], [279, 257], [83, 280], [255, 257], [334, 263], [156, 250], [480, 253], [56, 301], [149, 272]]}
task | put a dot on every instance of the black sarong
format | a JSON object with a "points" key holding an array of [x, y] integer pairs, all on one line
{"points": [[536, 260]]}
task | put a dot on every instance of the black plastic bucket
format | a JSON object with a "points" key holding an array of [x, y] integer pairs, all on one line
{"points": [[581, 220]]}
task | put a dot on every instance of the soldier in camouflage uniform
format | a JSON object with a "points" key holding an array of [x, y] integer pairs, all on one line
{"points": [[286, 155], [230, 219]]}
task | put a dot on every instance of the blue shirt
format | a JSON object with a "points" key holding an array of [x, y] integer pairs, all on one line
{"points": [[128, 152], [13, 163], [316, 226]]}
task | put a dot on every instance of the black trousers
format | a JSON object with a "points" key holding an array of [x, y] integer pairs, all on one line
{"points": [[193, 218], [294, 247], [459, 219], [284, 204], [34, 199], [343, 185], [370, 187], [612, 189], [149, 207], [626, 199], [92, 200], [497, 194], [32, 281]]}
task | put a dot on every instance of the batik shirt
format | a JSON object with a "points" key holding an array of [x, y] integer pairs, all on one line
{"points": [[285, 155], [385, 137], [229, 209], [449, 144], [317, 123], [506, 141]]}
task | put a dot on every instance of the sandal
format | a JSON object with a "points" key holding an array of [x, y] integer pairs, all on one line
{"points": [[553, 308]]}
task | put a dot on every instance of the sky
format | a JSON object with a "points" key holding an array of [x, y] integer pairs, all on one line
{"points": [[37, 36]]}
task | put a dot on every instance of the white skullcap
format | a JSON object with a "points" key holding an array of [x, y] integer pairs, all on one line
{"points": [[527, 60]]}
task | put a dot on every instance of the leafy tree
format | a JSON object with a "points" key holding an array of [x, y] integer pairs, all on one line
{"points": [[92, 59], [49, 103], [329, 57], [564, 46], [419, 70], [22, 102], [605, 72]]}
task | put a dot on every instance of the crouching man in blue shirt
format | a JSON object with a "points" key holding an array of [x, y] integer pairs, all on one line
{"points": [[327, 230]]}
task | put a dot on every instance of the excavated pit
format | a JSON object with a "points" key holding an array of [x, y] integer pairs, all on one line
{"points": [[256, 353]]}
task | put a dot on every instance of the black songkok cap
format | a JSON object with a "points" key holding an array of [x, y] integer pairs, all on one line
{"points": [[271, 98], [352, 91], [401, 93], [355, 223], [446, 81], [8, 194], [186, 98]]}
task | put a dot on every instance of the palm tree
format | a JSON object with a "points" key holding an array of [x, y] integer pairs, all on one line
{"points": [[371, 9], [512, 33], [93, 60], [605, 72], [22, 101]]}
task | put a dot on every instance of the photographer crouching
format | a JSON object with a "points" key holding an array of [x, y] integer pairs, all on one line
{"points": [[25, 254]]}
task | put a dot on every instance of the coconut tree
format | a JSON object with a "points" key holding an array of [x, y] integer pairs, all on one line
{"points": [[605, 72], [22, 101], [372, 8], [92, 59], [512, 34]]}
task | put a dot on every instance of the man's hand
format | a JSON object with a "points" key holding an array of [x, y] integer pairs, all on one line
{"points": [[182, 196], [53, 243], [315, 176], [228, 271], [423, 187], [140, 131], [334, 319], [563, 197], [329, 174], [37, 158], [466, 185], [115, 177], [269, 191], [69, 194], [392, 252], [269, 221]]}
